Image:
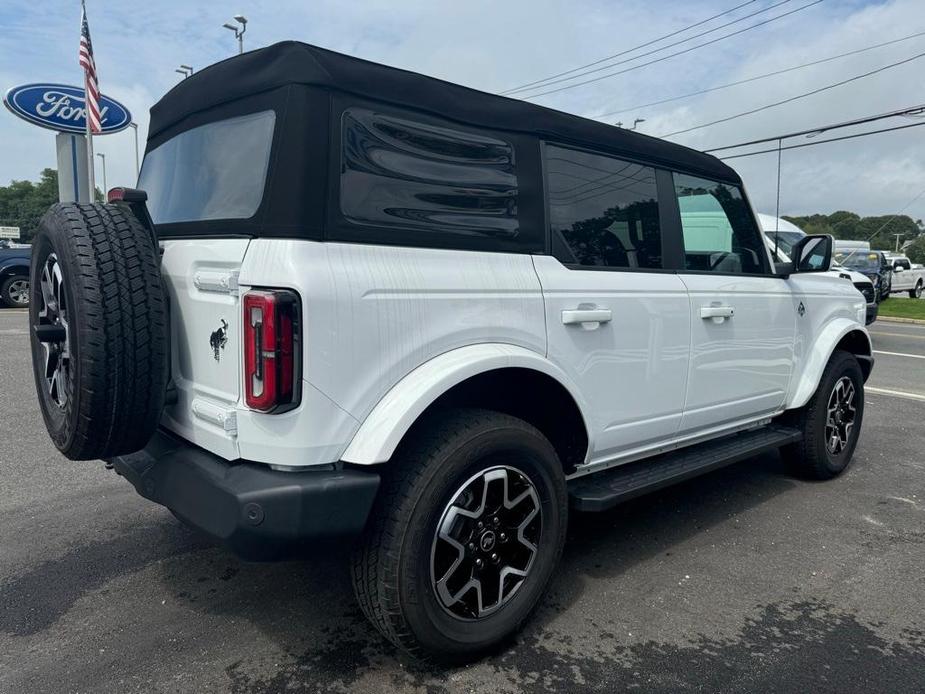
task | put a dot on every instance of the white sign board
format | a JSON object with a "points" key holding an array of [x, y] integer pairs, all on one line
{"points": [[9, 233]]}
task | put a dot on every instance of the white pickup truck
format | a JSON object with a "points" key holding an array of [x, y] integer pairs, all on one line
{"points": [[906, 276], [353, 303]]}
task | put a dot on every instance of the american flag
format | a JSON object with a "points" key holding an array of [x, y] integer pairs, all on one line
{"points": [[91, 84]]}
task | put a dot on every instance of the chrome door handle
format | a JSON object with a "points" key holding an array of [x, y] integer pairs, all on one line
{"points": [[717, 313], [588, 318]]}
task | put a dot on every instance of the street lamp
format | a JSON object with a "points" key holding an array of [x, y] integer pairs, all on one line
{"points": [[238, 31], [105, 189], [134, 126], [184, 70]]}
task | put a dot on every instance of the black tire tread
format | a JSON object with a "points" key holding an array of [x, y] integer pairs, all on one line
{"points": [[375, 561], [122, 327]]}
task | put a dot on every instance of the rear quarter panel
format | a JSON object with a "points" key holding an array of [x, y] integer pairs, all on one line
{"points": [[372, 314]]}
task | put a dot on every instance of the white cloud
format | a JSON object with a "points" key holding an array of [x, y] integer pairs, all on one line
{"points": [[493, 46]]}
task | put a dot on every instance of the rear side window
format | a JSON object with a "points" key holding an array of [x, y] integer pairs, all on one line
{"points": [[603, 211], [402, 174], [214, 171], [720, 234]]}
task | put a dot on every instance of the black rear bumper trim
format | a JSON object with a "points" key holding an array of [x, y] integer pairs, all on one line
{"points": [[257, 512]]}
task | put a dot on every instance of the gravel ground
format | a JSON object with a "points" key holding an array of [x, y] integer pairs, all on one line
{"points": [[745, 579]]}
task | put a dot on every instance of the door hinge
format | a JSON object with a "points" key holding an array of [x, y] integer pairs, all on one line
{"points": [[223, 281], [220, 416]]}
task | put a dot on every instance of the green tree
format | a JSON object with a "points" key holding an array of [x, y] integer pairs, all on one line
{"points": [[848, 225], [22, 203], [916, 251]]}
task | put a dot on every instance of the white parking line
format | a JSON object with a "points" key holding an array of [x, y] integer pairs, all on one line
{"points": [[909, 335], [900, 354], [894, 393]]}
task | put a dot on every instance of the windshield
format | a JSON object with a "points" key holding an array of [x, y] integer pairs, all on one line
{"points": [[785, 240], [215, 171], [861, 260]]}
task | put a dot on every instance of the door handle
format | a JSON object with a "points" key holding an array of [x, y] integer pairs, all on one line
{"points": [[717, 313], [588, 318]]}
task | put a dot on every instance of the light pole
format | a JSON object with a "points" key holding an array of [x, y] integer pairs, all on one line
{"points": [[238, 31], [134, 126], [105, 189]]}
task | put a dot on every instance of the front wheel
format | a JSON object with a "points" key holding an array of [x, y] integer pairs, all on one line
{"points": [[830, 421], [14, 291], [467, 529], [917, 292]]}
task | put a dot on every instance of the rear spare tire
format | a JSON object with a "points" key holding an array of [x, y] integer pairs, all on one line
{"points": [[99, 330]]}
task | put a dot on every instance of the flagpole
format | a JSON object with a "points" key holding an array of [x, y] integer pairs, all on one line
{"points": [[91, 179]]}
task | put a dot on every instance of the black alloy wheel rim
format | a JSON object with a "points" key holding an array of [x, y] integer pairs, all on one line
{"points": [[485, 543]]}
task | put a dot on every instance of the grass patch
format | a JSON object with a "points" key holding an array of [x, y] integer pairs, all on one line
{"points": [[903, 308]]}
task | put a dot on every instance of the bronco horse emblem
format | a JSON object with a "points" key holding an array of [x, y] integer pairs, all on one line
{"points": [[218, 340]]}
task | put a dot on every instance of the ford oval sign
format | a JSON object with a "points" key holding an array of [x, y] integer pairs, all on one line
{"points": [[61, 107]]}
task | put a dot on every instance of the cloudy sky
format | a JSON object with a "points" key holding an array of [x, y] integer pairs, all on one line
{"points": [[496, 46]]}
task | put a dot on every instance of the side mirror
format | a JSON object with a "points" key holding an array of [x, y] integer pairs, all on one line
{"points": [[813, 253]]}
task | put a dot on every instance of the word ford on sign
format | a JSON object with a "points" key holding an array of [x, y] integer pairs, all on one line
{"points": [[62, 107]]}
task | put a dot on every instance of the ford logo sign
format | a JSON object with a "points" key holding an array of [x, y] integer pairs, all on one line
{"points": [[61, 107]]}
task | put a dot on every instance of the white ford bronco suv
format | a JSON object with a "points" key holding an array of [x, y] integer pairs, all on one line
{"points": [[352, 302]]}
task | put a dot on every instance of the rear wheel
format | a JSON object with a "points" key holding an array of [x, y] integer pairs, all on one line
{"points": [[467, 529], [14, 291], [830, 421], [916, 293]]}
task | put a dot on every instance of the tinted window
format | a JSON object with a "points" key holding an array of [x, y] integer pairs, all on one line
{"points": [[215, 171], [602, 211], [719, 232], [405, 174]]}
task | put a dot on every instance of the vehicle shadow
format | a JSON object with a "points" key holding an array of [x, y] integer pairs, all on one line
{"points": [[307, 608]]}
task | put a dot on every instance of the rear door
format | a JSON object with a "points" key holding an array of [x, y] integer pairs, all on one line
{"points": [[618, 323], [205, 328], [742, 317]]}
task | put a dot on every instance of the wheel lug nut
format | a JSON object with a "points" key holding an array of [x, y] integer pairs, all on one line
{"points": [[503, 537], [494, 558], [479, 563], [496, 520], [480, 525], [471, 546]]}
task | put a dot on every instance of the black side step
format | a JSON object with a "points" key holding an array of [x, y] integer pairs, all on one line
{"points": [[603, 490]]}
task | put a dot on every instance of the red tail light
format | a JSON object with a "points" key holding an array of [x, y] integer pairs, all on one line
{"points": [[272, 354]]}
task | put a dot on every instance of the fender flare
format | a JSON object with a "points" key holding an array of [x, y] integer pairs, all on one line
{"points": [[383, 428], [818, 356]]}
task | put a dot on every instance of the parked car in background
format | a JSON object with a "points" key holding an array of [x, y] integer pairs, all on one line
{"points": [[781, 236], [873, 264], [14, 275], [906, 276]]}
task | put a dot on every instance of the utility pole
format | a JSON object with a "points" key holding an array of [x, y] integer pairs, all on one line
{"points": [[898, 237]]}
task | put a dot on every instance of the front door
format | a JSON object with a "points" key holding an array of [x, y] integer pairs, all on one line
{"points": [[742, 317], [618, 323]]}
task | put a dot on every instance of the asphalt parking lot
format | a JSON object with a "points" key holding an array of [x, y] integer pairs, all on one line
{"points": [[745, 579]]}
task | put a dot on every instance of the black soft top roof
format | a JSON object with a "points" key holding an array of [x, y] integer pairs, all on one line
{"points": [[293, 62]]}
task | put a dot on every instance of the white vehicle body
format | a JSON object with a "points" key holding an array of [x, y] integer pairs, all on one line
{"points": [[412, 323], [906, 276]]}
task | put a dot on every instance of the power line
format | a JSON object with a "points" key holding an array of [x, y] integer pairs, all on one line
{"points": [[823, 142], [629, 50], [825, 128], [539, 84], [673, 55], [795, 98], [759, 77]]}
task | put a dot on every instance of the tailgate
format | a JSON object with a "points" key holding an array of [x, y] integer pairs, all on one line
{"points": [[205, 328]]}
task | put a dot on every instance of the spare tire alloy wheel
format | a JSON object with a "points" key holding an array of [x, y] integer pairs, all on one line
{"points": [[99, 329], [486, 542], [52, 331]]}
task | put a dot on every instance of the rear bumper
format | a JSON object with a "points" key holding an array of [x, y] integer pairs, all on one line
{"points": [[257, 512]]}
